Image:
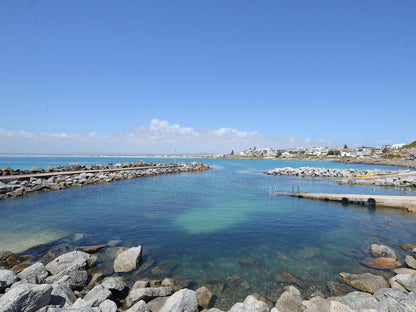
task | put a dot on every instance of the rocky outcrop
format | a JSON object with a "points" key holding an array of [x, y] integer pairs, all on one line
{"points": [[26, 298], [128, 260], [321, 172], [21, 182], [366, 282]]}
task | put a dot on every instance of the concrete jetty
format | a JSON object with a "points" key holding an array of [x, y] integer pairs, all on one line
{"points": [[401, 202]]}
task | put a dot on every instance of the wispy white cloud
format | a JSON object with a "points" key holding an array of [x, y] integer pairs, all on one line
{"points": [[159, 136]]}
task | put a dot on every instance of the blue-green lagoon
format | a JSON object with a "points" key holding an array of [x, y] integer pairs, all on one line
{"points": [[212, 225]]}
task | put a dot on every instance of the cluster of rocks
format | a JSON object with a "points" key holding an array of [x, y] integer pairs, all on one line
{"points": [[395, 180], [321, 172], [399, 162], [40, 180], [401, 178], [69, 283]]}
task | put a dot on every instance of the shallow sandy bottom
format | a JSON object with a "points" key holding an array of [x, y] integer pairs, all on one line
{"points": [[19, 242]]}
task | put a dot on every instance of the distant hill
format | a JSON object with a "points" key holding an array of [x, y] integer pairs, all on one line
{"points": [[413, 144]]}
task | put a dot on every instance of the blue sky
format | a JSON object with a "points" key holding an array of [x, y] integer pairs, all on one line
{"points": [[205, 76]]}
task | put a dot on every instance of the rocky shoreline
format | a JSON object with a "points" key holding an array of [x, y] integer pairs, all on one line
{"points": [[377, 177], [397, 162], [14, 183], [71, 282]]}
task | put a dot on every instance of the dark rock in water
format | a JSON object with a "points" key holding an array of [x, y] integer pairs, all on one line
{"points": [[289, 278], [383, 251], [235, 281], [181, 282], [382, 263], [353, 253], [308, 252], [92, 249], [274, 295], [164, 268], [407, 246], [250, 262], [20, 267], [365, 282], [216, 286], [338, 289]]}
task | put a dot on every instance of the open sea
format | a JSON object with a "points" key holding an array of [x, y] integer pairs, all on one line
{"points": [[219, 228]]}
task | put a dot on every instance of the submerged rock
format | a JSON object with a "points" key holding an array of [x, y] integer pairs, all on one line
{"points": [[286, 277], [383, 251], [382, 263], [366, 282]]}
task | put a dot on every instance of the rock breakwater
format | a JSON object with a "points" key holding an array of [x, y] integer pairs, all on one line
{"points": [[377, 177], [18, 182]]}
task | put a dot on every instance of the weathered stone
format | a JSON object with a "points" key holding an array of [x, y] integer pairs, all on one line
{"points": [[97, 295], [147, 294], [395, 293], [405, 280], [203, 297], [407, 246], [338, 289], [74, 277], [128, 260], [114, 283], [384, 251], [382, 263], [26, 298], [405, 271], [336, 306], [67, 260], [411, 262], [20, 267], [108, 306], [365, 282], [141, 284], [35, 274], [91, 249], [357, 300], [62, 296], [316, 304], [155, 305], [7, 278], [182, 301], [259, 305], [168, 282], [290, 300], [235, 281], [394, 284], [140, 306], [241, 307], [95, 280], [286, 277]]}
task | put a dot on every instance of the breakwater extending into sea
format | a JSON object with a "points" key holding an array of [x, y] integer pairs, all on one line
{"points": [[18, 182]]}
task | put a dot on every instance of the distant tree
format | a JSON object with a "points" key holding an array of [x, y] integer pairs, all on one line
{"points": [[232, 152], [345, 146]]}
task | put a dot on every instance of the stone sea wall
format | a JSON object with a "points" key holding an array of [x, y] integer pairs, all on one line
{"points": [[72, 282], [18, 182], [378, 177], [399, 162]]}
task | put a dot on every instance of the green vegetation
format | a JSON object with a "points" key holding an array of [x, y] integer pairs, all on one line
{"points": [[413, 144]]}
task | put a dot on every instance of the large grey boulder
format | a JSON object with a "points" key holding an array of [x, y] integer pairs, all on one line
{"points": [[182, 301], [74, 276], [203, 297], [358, 300], [365, 282], [242, 307], [63, 262], [97, 295], [114, 283], [316, 303], [128, 260], [259, 305], [336, 306], [62, 296], [26, 298], [35, 274], [383, 251], [7, 278], [290, 300], [108, 306], [147, 294], [140, 306], [411, 262]]}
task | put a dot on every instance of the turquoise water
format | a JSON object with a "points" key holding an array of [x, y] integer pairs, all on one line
{"points": [[210, 225]]}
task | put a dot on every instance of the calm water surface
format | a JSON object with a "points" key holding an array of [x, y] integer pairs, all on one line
{"points": [[211, 225]]}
